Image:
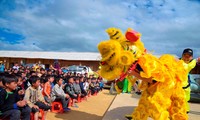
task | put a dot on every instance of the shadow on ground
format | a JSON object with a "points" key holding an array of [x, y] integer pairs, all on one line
{"points": [[194, 112], [114, 94], [75, 115], [119, 113], [134, 95]]}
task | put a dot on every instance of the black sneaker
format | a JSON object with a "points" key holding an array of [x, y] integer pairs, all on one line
{"points": [[138, 93], [129, 117]]}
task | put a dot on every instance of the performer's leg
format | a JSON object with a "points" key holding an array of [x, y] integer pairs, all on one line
{"points": [[125, 86], [154, 103], [178, 107], [140, 112], [159, 102], [129, 86], [187, 98]]}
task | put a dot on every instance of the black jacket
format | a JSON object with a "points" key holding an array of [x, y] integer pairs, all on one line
{"points": [[8, 100]]}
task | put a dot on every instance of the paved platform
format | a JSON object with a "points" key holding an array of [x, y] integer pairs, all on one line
{"points": [[125, 103]]}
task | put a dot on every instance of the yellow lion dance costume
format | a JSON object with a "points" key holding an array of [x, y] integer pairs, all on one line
{"points": [[161, 99]]}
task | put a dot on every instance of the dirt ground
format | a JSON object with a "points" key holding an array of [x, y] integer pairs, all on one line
{"points": [[92, 109]]}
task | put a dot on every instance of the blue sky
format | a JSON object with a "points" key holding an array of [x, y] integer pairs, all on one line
{"points": [[167, 26]]}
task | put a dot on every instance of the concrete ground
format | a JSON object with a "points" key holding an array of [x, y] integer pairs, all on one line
{"points": [[93, 109], [105, 106], [125, 103]]}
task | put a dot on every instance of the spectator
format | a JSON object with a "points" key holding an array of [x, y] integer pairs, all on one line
{"points": [[16, 66], [52, 68], [10, 106], [49, 72], [2, 67], [24, 78], [15, 71], [36, 66], [86, 85], [93, 86], [19, 88], [47, 88], [42, 71], [56, 65], [100, 82], [42, 82], [83, 91], [2, 75], [77, 87], [34, 98], [38, 72], [70, 90], [58, 94], [33, 73]]}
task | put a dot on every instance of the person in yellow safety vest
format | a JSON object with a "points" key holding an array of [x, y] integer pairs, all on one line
{"points": [[189, 64]]}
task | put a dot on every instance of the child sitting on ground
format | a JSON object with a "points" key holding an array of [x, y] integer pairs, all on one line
{"points": [[34, 97], [58, 94], [11, 107]]}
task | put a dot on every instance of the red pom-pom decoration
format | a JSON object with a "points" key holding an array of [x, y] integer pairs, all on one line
{"points": [[132, 36]]}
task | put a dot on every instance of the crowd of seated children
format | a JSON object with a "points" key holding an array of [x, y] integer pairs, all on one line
{"points": [[58, 94], [35, 99], [35, 90]]}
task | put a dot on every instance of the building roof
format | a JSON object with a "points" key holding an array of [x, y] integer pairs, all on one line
{"points": [[88, 56]]}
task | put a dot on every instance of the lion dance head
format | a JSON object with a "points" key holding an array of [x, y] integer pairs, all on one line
{"points": [[119, 52]]}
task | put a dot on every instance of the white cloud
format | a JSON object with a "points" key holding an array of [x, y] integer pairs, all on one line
{"points": [[66, 25]]}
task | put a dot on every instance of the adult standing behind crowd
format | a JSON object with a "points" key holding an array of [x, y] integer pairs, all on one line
{"points": [[189, 64]]}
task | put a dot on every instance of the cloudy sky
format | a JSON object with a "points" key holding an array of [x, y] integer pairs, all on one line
{"points": [[167, 26]]}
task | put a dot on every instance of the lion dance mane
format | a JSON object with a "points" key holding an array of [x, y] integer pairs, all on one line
{"points": [[164, 98]]}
